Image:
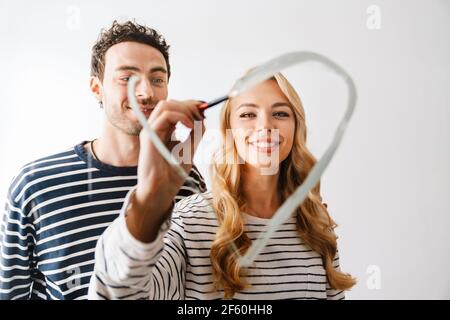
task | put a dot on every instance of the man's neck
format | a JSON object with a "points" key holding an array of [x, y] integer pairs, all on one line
{"points": [[117, 148]]}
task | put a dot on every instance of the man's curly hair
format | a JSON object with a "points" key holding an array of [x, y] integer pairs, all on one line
{"points": [[121, 32]]}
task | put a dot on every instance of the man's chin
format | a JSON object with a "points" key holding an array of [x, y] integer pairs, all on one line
{"points": [[135, 131], [131, 130]]}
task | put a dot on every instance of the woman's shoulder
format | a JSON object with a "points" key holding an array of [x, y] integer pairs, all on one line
{"points": [[198, 202]]}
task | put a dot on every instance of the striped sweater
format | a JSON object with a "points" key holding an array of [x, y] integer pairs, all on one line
{"points": [[176, 265], [56, 209]]}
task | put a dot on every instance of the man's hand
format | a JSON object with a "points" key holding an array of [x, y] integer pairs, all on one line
{"points": [[158, 182]]}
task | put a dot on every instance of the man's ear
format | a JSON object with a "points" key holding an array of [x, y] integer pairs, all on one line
{"points": [[96, 88]]}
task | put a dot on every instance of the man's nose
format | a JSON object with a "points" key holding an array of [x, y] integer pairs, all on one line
{"points": [[144, 89]]}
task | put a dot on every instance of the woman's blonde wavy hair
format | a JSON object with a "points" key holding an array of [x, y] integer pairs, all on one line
{"points": [[315, 225]]}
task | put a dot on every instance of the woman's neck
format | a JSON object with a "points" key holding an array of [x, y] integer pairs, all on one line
{"points": [[261, 193]]}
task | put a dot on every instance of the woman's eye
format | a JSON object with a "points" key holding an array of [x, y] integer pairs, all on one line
{"points": [[125, 79], [281, 114], [247, 115]]}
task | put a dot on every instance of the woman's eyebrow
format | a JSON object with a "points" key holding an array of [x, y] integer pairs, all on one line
{"points": [[281, 104], [275, 105], [247, 105]]}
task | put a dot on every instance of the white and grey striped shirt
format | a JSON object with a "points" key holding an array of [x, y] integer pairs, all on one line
{"points": [[177, 264]]}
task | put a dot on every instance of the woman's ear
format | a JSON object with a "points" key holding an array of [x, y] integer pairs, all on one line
{"points": [[97, 89]]}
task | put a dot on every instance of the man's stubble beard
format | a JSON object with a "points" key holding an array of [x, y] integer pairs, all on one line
{"points": [[118, 119]]}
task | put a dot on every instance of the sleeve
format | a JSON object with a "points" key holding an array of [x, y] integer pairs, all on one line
{"points": [[333, 294], [126, 268], [16, 248]]}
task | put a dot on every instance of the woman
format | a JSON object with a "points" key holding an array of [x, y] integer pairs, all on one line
{"points": [[147, 255]]}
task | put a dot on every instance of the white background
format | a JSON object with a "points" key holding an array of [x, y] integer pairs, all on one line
{"points": [[388, 186]]}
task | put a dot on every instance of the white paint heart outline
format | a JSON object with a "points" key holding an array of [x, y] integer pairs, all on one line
{"points": [[256, 75]]}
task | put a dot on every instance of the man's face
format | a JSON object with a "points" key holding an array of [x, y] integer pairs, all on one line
{"points": [[122, 61]]}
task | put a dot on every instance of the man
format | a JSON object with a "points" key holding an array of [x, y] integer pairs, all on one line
{"points": [[58, 206]]}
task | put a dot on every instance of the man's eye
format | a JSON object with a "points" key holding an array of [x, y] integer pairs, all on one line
{"points": [[125, 79], [158, 81], [247, 115], [281, 114]]}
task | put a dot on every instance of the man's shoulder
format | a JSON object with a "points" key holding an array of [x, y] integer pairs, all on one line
{"points": [[36, 170], [196, 202], [195, 173], [195, 181]]}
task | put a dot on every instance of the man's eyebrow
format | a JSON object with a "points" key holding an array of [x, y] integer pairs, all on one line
{"points": [[128, 68], [158, 69], [136, 69]]}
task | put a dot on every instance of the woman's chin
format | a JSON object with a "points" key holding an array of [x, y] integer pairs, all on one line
{"points": [[265, 167]]}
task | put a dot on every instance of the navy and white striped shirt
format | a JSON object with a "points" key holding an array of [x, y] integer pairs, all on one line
{"points": [[56, 209]]}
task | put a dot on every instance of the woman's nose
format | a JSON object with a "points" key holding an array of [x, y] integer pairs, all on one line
{"points": [[265, 121]]}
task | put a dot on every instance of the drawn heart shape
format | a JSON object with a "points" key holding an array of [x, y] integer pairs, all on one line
{"points": [[255, 76]]}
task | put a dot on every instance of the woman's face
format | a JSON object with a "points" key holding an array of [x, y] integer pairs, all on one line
{"points": [[263, 125]]}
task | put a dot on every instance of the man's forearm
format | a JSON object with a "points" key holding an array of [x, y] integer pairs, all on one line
{"points": [[145, 217]]}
